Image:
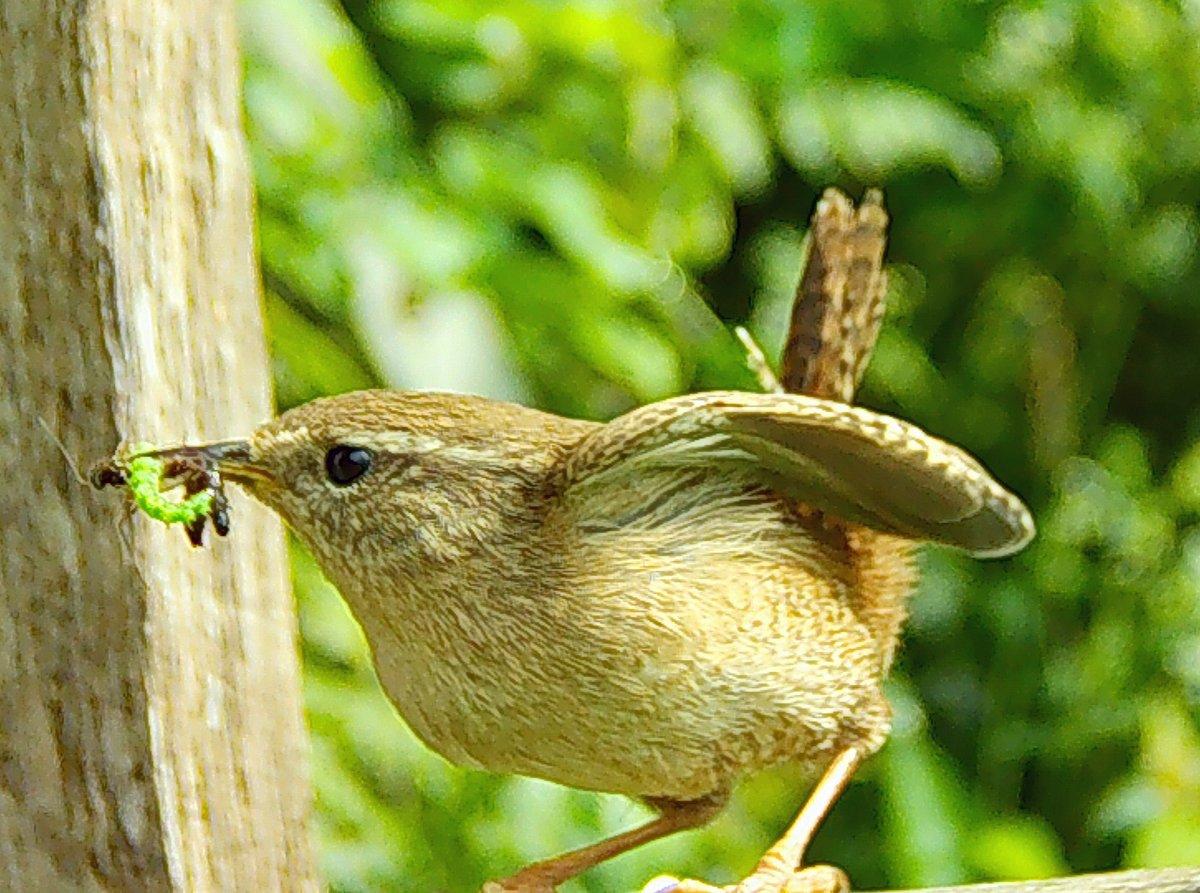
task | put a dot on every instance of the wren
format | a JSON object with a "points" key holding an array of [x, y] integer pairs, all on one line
{"points": [[656, 606]]}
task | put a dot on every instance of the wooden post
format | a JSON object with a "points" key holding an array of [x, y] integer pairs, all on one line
{"points": [[151, 734]]}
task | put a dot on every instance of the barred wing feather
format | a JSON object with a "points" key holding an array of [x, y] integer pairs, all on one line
{"points": [[863, 466]]}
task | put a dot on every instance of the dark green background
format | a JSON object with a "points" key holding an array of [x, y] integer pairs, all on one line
{"points": [[569, 204]]}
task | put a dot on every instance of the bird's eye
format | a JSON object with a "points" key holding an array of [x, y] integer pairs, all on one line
{"points": [[345, 464]]}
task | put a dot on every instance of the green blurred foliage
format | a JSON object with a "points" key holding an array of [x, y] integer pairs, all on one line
{"points": [[570, 203]]}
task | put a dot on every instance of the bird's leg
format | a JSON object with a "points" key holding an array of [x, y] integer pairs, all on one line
{"points": [[546, 876], [780, 862], [779, 871]]}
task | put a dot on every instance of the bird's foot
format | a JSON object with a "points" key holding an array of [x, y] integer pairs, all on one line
{"points": [[811, 879]]}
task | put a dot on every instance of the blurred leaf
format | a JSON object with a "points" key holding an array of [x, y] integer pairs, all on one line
{"points": [[1018, 848], [926, 810], [308, 362], [876, 129], [1171, 768]]}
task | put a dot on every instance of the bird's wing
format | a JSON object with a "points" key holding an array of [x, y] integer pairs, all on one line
{"points": [[859, 465]]}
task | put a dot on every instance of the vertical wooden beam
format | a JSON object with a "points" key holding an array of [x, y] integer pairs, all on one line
{"points": [[151, 735]]}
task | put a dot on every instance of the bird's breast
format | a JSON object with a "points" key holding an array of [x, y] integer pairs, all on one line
{"points": [[646, 658]]}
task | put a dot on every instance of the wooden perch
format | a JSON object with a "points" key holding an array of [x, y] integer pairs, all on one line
{"points": [[1148, 880]]}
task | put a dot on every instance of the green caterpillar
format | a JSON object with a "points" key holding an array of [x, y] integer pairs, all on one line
{"points": [[142, 470], [145, 475]]}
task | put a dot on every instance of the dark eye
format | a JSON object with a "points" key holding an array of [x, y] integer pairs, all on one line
{"points": [[346, 464]]}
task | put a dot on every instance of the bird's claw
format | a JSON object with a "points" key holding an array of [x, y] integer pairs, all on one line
{"points": [[818, 879], [811, 879], [664, 883]]}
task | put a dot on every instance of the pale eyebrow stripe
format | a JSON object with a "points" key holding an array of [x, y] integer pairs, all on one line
{"points": [[393, 441], [406, 443]]}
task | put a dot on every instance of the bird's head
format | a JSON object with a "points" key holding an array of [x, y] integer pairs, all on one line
{"points": [[404, 479]]}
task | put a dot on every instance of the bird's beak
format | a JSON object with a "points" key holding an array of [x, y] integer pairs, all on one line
{"points": [[234, 461]]}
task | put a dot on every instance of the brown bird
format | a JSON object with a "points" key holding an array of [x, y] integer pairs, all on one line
{"points": [[656, 606]]}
